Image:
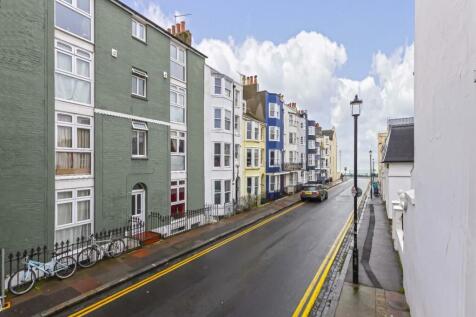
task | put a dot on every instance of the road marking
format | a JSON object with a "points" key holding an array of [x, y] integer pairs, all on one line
{"points": [[174, 267], [315, 286]]}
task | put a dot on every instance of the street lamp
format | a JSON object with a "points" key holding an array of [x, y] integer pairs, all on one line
{"points": [[370, 173], [355, 107]]}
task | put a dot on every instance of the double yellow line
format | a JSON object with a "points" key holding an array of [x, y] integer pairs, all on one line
{"points": [[309, 298], [125, 291]]}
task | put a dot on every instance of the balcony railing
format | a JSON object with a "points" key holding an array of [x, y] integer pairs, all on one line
{"points": [[292, 166]]}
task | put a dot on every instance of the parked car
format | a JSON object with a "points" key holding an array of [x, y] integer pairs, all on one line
{"points": [[314, 192]]}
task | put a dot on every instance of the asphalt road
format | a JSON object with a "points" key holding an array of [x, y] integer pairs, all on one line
{"points": [[262, 273]]}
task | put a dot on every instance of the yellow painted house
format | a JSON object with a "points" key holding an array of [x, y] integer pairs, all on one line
{"points": [[253, 159]]}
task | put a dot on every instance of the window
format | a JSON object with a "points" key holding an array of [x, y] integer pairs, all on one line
{"points": [[274, 110], [253, 157], [72, 73], [237, 98], [217, 118], [216, 154], [249, 157], [291, 157], [237, 124], [74, 16], [177, 104], [227, 120], [249, 129], [221, 192], [237, 152], [311, 144], [256, 158], [73, 144], [139, 139], [252, 185], [227, 88], [274, 158], [256, 130], [302, 141], [177, 198], [177, 62], [311, 130], [227, 155], [310, 159], [139, 83], [217, 193], [274, 133], [74, 214], [274, 183], [138, 30], [177, 151], [217, 86]]}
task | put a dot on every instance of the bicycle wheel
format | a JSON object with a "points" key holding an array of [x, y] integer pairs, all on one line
{"points": [[88, 257], [65, 267], [22, 282], [116, 248]]}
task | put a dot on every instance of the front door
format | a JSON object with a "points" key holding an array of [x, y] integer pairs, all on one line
{"points": [[138, 206]]}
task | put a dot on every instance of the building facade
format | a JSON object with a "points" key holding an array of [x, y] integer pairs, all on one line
{"points": [[330, 148], [121, 116], [223, 117], [311, 150]]}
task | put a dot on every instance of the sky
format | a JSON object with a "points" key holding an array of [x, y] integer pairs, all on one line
{"points": [[318, 53]]}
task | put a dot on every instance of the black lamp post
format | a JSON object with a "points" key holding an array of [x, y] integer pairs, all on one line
{"points": [[370, 173], [355, 107]]}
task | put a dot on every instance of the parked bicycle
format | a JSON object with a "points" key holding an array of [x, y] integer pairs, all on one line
{"points": [[22, 281], [100, 248]]}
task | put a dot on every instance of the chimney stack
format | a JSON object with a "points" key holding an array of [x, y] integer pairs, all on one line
{"points": [[179, 30], [173, 30]]}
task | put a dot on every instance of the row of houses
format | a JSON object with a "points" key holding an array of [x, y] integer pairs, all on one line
{"points": [[105, 120]]}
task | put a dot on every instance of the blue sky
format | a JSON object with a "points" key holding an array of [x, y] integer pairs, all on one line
{"points": [[364, 27]]}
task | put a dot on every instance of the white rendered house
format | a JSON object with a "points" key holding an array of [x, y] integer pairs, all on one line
{"points": [[223, 117]]}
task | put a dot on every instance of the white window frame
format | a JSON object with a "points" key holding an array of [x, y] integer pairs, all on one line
{"points": [[222, 192], [311, 130], [311, 159], [311, 144], [276, 133], [139, 128], [176, 185], [179, 136], [274, 183], [140, 76], [274, 111], [76, 53], [74, 210], [73, 6], [74, 125], [227, 120], [277, 158], [249, 129], [217, 79], [136, 25], [228, 88], [175, 59], [179, 91], [236, 124], [255, 157]]}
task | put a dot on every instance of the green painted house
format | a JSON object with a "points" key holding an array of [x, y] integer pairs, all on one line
{"points": [[101, 118]]}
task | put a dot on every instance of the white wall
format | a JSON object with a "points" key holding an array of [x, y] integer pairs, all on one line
{"points": [[440, 236], [398, 178]]}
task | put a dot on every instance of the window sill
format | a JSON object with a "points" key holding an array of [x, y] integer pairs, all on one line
{"points": [[139, 39], [139, 97], [139, 158]]}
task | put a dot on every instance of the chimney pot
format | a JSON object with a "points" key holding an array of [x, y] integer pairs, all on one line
{"points": [[173, 29], [177, 27], [182, 26]]}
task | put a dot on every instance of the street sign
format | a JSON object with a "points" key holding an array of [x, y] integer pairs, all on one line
{"points": [[356, 192]]}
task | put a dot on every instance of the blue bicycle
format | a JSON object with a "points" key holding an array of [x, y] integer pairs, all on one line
{"points": [[22, 281]]}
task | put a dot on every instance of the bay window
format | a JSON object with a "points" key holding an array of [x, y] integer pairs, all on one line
{"points": [[217, 193], [177, 62], [274, 158], [74, 16], [217, 86], [252, 185], [72, 73], [256, 157], [227, 155], [221, 192], [227, 120], [139, 139], [217, 118], [228, 88], [177, 151], [274, 133], [221, 154], [73, 144], [237, 124], [177, 104], [73, 214], [249, 130], [274, 111]]}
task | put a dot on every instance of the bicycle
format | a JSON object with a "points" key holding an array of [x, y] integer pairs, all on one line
{"points": [[110, 247], [23, 280]]}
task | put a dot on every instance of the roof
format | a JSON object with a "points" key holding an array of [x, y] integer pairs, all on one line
{"points": [[124, 6], [329, 133], [400, 144]]}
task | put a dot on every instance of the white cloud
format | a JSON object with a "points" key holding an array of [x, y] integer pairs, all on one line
{"points": [[153, 11], [304, 70]]}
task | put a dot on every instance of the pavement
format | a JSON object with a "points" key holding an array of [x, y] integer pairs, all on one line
{"points": [[380, 289], [247, 262]]}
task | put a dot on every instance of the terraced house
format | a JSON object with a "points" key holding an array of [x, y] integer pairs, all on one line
{"points": [[110, 112]]}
